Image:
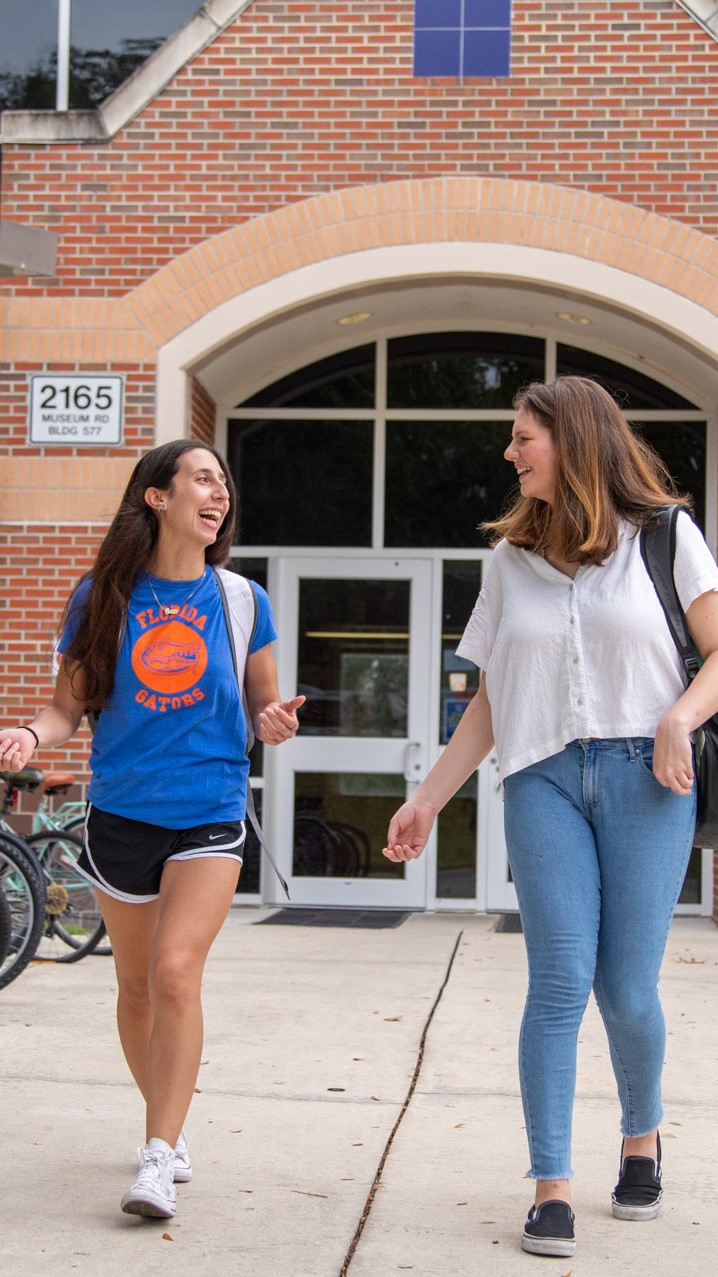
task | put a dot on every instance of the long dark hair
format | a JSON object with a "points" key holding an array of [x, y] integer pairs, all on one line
{"points": [[603, 472], [126, 551]]}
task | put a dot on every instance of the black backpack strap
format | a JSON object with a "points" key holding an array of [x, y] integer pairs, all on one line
{"points": [[251, 809], [658, 550]]}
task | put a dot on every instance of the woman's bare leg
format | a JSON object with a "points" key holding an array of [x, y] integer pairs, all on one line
{"points": [[160, 949], [132, 930], [548, 1190], [194, 900]]}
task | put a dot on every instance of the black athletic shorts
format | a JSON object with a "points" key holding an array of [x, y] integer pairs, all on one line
{"points": [[126, 857]]}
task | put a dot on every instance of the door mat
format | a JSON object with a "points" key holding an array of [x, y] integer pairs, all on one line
{"points": [[371, 919], [509, 922]]}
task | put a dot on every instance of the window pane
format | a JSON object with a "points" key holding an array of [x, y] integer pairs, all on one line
{"points": [[456, 849], [443, 479], [28, 55], [461, 370], [353, 658], [340, 824], [486, 53], [437, 53], [342, 381], [303, 482], [682, 446], [459, 679], [110, 41], [437, 13], [632, 389], [487, 13]]}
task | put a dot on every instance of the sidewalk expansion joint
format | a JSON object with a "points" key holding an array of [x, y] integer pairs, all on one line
{"points": [[404, 1108]]}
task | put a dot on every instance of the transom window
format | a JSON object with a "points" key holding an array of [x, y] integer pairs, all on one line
{"points": [[399, 445]]}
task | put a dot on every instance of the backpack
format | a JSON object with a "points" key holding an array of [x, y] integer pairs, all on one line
{"points": [[658, 550]]}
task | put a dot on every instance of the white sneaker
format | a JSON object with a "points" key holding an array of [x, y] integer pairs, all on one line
{"points": [[152, 1192], [183, 1166]]}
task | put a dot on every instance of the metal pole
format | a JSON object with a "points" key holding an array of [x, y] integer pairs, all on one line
{"points": [[62, 92]]}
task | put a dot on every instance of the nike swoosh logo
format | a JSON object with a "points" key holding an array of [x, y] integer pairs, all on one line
{"points": [[214, 837]]}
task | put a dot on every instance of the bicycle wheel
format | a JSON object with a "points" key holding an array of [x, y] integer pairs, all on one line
{"points": [[72, 912], [23, 890], [76, 825], [5, 928]]}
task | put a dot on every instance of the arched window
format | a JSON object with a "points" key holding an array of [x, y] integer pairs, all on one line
{"points": [[400, 444]]}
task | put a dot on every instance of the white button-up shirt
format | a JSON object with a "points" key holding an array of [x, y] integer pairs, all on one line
{"points": [[589, 657]]}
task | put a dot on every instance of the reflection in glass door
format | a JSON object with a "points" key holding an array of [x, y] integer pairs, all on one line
{"points": [[354, 640]]}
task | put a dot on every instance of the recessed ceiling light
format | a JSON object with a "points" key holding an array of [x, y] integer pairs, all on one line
{"points": [[359, 317], [570, 318]]}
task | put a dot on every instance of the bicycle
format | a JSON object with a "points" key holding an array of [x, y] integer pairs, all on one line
{"points": [[23, 895], [5, 928], [70, 816], [72, 913]]}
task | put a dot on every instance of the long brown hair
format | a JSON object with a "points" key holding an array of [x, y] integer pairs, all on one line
{"points": [[603, 472], [124, 553]]}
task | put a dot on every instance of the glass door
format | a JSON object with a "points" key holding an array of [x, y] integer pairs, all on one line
{"points": [[355, 639], [500, 890]]}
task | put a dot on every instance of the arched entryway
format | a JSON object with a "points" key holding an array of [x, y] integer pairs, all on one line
{"points": [[362, 478], [553, 280]]}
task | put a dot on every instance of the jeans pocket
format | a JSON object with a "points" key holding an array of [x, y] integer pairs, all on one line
{"points": [[644, 754]]}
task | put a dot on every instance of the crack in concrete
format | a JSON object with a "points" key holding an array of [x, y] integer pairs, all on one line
{"points": [[404, 1108]]}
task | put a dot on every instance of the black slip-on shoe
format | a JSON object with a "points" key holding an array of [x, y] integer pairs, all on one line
{"points": [[549, 1229], [639, 1191]]}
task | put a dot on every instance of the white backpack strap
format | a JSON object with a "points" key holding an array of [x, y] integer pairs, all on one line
{"points": [[239, 603], [240, 613]]}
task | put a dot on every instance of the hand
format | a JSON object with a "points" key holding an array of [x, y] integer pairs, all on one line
{"points": [[278, 721], [409, 831], [16, 748], [673, 756]]}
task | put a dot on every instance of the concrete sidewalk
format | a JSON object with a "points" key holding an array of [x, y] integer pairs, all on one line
{"points": [[312, 1037]]}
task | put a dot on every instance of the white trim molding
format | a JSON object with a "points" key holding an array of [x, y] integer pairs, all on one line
{"points": [[705, 13], [682, 320]]}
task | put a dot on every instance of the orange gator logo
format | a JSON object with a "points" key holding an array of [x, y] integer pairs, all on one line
{"points": [[169, 659]]}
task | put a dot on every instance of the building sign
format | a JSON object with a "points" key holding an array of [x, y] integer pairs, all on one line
{"points": [[81, 409]]}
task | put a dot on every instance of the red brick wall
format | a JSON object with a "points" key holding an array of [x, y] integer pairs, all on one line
{"points": [[203, 411], [301, 96], [42, 564]]}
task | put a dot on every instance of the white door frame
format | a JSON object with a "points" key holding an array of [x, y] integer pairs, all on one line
{"points": [[409, 755]]}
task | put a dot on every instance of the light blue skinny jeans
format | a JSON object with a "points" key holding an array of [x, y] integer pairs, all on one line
{"points": [[598, 852]]}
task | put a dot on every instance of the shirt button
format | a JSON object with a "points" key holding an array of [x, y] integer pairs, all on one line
{"points": [[573, 620], [579, 701], [571, 586], [575, 660]]}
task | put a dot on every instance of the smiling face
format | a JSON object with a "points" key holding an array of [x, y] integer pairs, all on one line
{"points": [[533, 452], [197, 502]]}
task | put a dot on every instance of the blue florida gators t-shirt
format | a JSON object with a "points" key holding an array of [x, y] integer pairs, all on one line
{"points": [[170, 744]]}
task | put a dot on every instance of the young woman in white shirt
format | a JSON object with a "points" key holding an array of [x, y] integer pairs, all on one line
{"points": [[582, 694]]}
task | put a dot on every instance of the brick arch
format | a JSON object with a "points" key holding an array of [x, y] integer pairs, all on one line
{"points": [[557, 219]]}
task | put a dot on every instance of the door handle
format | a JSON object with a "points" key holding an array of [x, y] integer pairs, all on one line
{"points": [[413, 763]]}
